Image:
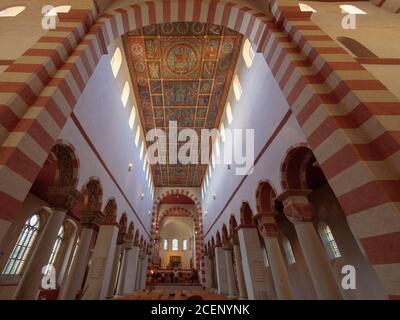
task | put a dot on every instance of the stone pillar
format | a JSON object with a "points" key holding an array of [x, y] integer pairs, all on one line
{"points": [[98, 280], [255, 273], [232, 288], [270, 232], [145, 264], [207, 270], [90, 221], [61, 200], [125, 266], [222, 279], [118, 262], [139, 271], [239, 269], [132, 269], [112, 287], [299, 211]]}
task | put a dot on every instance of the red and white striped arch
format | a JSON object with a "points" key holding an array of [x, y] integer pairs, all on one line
{"points": [[349, 118], [198, 222]]}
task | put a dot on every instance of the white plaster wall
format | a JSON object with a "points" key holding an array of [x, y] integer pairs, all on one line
{"points": [[105, 121], [181, 228], [261, 107]]}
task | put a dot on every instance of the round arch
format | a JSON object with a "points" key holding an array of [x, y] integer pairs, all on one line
{"points": [[67, 171], [265, 198], [300, 170], [93, 194], [110, 212], [246, 214], [198, 218]]}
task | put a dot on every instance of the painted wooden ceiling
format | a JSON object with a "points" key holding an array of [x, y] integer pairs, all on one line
{"points": [[181, 72]]}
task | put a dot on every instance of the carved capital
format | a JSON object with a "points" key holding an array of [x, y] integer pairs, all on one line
{"points": [[127, 245], [63, 198], [235, 239], [121, 237], [92, 218], [268, 230], [226, 245], [297, 207], [267, 225]]}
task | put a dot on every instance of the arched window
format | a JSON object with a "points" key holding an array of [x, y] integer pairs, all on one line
{"points": [[165, 244], [56, 249], [222, 131], [237, 87], [217, 147], [116, 61], [141, 150], [137, 136], [60, 9], [147, 172], [12, 11], [144, 162], [125, 93], [288, 251], [132, 117], [213, 159], [184, 245], [328, 240], [248, 53], [229, 114], [23, 247], [175, 245], [306, 8]]}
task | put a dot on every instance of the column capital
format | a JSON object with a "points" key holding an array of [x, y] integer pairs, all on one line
{"points": [[245, 226], [226, 245], [121, 237], [297, 207], [267, 225], [235, 239], [268, 230], [63, 198], [92, 218], [128, 244]]}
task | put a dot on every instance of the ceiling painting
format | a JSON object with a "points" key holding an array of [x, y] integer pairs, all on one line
{"points": [[181, 72]]}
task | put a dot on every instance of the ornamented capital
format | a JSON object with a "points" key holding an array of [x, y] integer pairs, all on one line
{"points": [[128, 244], [235, 239], [92, 218], [226, 245], [121, 237], [267, 225], [297, 207], [268, 230], [63, 198]]}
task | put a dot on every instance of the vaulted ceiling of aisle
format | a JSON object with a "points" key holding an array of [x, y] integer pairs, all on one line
{"points": [[181, 72]]}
